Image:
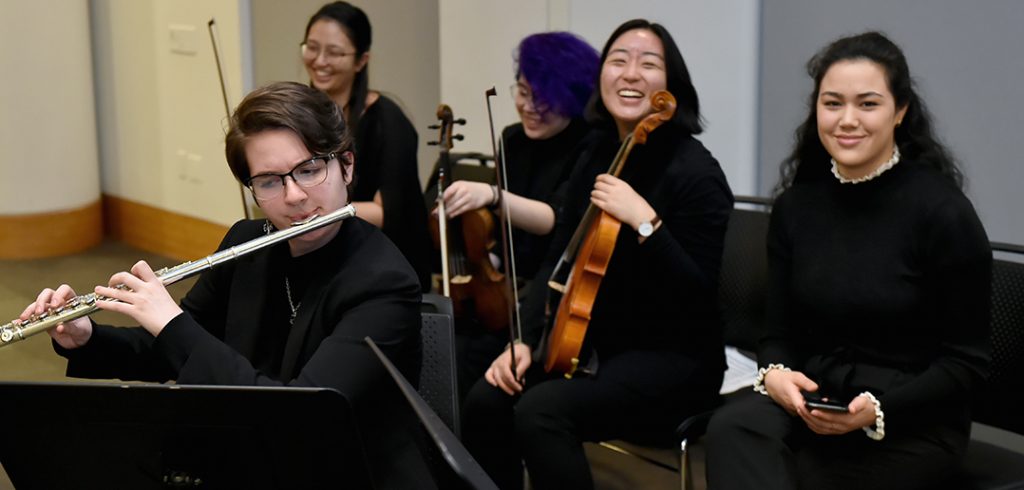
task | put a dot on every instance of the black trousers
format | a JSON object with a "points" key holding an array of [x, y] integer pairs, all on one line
{"points": [[475, 350], [754, 443], [547, 424]]}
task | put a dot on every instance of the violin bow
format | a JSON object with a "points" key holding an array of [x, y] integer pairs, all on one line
{"points": [[212, 27], [515, 331]]}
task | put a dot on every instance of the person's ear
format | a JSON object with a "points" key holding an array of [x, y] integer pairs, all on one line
{"points": [[362, 61]]}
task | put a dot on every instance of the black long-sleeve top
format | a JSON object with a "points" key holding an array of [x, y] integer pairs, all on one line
{"points": [[881, 286], [234, 330], [659, 295], [386, 146], [538, 170]]}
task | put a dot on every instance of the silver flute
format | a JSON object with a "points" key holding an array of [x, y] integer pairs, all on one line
{"points": [[85, 304]]}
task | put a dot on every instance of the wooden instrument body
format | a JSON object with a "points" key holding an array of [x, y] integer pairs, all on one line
{"points": [[577, 304], [594, 253], [476, 287]]}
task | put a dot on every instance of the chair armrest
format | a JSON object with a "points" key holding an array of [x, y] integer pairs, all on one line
{"points": [[694, 426]]}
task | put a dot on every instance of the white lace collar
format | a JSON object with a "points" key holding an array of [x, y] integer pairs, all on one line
{"points": [[878, 171]]}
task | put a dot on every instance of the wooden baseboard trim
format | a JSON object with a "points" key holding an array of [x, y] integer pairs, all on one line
{"points": [[159, 231], [51, 234]]}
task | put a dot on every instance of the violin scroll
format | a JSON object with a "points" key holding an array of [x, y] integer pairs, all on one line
{"points": [[446, 126], [664, 106]]}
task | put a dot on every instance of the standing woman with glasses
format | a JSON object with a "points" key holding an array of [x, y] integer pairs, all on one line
{"points": [[555, 76], [879, 281], [292, 314], [386, 187]]}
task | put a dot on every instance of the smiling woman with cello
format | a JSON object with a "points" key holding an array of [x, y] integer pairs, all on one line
{"points": [[672, 203]]}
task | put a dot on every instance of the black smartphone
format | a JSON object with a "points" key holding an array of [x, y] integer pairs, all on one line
{"points": [[814, 400]]}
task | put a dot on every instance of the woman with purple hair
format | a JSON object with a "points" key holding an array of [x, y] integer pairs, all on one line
{"points": [[555, 75]]}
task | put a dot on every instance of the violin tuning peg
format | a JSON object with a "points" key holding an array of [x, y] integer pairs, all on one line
{"points": [[460, 121], [434, 126], [458, 137]]}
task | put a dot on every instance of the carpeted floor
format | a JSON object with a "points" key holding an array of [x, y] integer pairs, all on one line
{"points": [[34, 359]]}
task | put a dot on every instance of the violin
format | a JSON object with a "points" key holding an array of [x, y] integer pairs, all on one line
{"points": [[597, 232], [468, 276]]}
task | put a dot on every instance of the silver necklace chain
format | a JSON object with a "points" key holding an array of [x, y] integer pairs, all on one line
{"points": [[293, 306]]}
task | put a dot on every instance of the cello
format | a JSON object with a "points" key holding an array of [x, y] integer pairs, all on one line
{"points": [[468, 276], [590, 250]]}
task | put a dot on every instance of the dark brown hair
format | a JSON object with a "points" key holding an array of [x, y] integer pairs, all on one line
{"points": [[677, 78], [356, 25], [303, 110], [915, 136]]}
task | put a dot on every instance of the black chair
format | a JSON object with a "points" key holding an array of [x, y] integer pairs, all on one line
{"points": [[987, 465], [438, 382], [741, 298], [436, 303], [742, 284]]}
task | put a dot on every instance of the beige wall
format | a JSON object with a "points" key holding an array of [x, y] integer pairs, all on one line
{"points": [[719, 41], [404, 55], [160, 117], [47, 120], [160, 112]]}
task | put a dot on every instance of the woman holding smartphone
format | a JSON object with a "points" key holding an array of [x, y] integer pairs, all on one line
{"points": [[879, 280]]}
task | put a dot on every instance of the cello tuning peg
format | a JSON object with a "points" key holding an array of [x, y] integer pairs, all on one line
{"points": [[460, 121], [458, 137], [434, 126]]}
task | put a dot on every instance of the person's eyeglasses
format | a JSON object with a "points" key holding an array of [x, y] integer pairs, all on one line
{"points": [[331, 54], [522, 95], [308, 173]]}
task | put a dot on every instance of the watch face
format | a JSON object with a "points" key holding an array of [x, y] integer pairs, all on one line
{"points": [[645, 229]]}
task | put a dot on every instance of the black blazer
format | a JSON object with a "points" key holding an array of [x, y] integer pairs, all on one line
{"points": [[365, 287]]}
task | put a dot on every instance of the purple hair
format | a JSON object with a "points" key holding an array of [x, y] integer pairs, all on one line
{"points": [[561, 69]]}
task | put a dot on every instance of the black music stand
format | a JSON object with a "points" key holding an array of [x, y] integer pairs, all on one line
{"points": [[83, 436], [459, 470]]}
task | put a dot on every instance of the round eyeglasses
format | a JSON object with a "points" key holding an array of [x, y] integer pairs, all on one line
{"points": [[331, 54], [307, 173], [523, 95]]}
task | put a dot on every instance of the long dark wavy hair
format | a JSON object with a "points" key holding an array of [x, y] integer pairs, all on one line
{"points": [[915, 137], [356, 25], [677, 76]]}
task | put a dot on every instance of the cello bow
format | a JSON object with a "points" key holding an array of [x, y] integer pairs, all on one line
{"points": [[211, 26], [515, 331]]}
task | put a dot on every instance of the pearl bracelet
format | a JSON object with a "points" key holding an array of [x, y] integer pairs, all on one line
{"points": [[759, 382], [878, 433]]}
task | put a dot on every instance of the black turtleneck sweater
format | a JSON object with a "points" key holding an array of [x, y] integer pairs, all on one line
{"points": [[882, 286], [658, 296]]}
